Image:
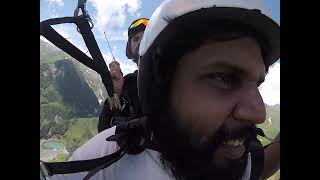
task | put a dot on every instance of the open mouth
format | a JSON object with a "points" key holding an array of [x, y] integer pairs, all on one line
{"points": [[233, 148], [233, 144]]}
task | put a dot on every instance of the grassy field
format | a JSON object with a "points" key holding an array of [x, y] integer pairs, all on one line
{"points": [[80, 131], [62, 157], [56, 57]]}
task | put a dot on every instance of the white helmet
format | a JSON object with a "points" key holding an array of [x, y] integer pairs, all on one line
{"points": [[162, 28]]}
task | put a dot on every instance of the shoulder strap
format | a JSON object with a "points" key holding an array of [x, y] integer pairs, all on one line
{"points": [[80, 166], [257, 161], [257, 156], [102, 166]]}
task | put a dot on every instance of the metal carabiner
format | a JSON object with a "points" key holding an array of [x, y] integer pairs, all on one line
{"points": [[90, 23], [81, 5], [84, 14]]}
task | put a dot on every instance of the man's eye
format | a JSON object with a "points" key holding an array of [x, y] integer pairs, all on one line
{"points": [[224, 81]]}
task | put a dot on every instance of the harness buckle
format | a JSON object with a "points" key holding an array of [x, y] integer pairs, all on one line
{"points": [[82, 5]]}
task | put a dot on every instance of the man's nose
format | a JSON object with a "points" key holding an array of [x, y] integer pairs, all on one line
{"points": [[250, 107]]}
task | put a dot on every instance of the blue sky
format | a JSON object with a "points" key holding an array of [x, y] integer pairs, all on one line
{"points": [[114, 16]]}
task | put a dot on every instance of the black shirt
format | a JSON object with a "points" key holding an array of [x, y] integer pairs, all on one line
{"points": [[129, 99]]}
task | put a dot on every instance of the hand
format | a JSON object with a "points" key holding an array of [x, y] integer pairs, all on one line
{"points": [[117, 77]]}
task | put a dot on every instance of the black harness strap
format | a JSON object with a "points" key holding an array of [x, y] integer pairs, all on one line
{"points": [[82, 165], [104, 165], [55, 21], [93, 48], [257, 160], [55, 38], [97, 62]]}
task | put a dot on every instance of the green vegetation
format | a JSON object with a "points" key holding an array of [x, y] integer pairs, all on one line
{"points": [[50, 54], [68, 106], [53, 109], [54, 58], [50, 93], [80, 131], [64, 93], [277, 175], [54, 119], [62, 157]]}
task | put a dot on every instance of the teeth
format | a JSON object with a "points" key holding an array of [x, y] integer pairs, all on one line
{"points": [[241, 141], [236, 142], [233, 142]]}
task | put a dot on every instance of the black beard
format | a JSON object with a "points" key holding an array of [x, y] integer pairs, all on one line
{"points": [[190, 161]]}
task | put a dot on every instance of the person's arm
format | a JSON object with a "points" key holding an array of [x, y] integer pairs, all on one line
{"points": [[118, 83], [272, 158], [117, 77]]}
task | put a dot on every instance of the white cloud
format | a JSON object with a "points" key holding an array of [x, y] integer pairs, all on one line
{"points": [[125, 34], [118, 38], [52, 13], [62, 32], [56, 2], [127, 68], [133, 6], [111, 14], [270, 89], [52, 4], [107, 58]]}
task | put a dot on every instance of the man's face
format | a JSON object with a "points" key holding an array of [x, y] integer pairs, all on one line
{"points": [[215, 103], [134, 45]]}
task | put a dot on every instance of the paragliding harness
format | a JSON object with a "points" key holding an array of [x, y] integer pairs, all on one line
{"points": [[132, 136]]}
